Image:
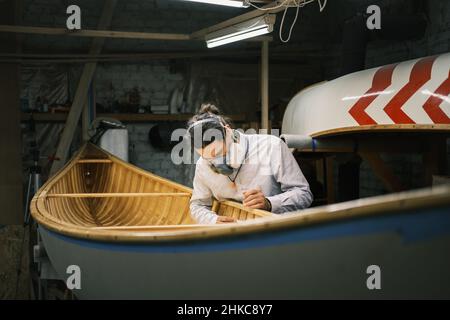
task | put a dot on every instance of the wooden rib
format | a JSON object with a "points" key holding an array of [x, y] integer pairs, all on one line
{"points": [[165, 210], [183, 219], [111, 186], [81, 187], [65, 212], [77, 211], [128, 201], [138, 214], [121, 214], [103, 178], [153, 205]]}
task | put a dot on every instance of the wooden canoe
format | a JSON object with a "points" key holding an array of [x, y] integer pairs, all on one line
{"points": [[131, 234], [102, 197]]}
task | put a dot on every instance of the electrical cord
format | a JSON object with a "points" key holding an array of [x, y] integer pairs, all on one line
{"points": [[322, 5], [282, 4], [280, 33], [286, 5]]}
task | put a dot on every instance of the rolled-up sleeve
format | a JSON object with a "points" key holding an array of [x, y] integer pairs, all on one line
{"points": [[296, 193], [201, 201]]}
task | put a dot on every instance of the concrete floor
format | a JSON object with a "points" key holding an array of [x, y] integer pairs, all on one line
{"points": [[10, 251]]}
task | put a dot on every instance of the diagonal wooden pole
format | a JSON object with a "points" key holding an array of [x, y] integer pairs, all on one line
{"points": [[82, 91]]}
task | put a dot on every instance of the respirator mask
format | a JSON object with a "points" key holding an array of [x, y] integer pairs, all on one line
{"points": [[235, 155], [233, 159]]}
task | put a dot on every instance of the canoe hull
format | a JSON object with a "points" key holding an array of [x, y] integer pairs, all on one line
{"points": [[323, 261]]}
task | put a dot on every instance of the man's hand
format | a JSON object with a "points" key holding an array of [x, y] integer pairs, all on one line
{"points": [[225, 219], [255, 199]]}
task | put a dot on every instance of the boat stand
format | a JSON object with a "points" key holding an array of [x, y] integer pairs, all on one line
{"points": [[41, 269]]}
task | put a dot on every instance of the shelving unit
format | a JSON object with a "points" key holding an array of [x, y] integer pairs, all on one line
{"points": [[124, 117]]}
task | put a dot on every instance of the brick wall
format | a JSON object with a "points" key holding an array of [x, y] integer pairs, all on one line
{"points": [[144, 155], [153, 80]]}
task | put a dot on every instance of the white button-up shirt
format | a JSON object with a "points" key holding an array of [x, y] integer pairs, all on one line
{"points": [[269, 165]]}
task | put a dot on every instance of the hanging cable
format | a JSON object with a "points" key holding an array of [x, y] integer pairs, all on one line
{"points": [[322, 5], [292, 25], [282, 4], [287, 4]]}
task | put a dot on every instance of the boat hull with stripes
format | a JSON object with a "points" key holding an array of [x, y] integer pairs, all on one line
{"points": [[404, 97]]}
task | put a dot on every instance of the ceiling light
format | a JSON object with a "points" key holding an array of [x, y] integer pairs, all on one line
{"points": [[230, 3], [244, 30]]}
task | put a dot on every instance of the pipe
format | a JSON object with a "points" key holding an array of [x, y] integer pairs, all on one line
{"points": [[310, 144]]}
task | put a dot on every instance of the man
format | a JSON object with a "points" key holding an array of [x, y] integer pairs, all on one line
{"points": [[257, 170]]}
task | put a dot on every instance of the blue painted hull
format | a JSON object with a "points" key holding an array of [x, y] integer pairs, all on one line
{"points": [[327, 260]]}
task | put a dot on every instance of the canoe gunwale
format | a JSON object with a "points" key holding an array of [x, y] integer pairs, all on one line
{"points": [[378, 128]]}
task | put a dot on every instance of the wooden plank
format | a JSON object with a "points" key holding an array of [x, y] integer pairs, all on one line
{"points": [[85, 120], [81, 93], [108, 34], [11, 190], [124, 117], [117, 195], [93, 33], [383, 172]]}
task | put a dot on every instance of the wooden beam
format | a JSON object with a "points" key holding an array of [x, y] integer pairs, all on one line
{"points": [[88, 114], [94, 33], [383, 172], [85, 123], [82, 91], [108, 34], [265, 85], [125, 117]]}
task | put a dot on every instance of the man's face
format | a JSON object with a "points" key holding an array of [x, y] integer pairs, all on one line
{"points": [[216, 149], [213, 150]]}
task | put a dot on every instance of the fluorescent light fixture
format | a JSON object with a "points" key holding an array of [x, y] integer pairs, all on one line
{"points": [[244, 30], [229, 3]]}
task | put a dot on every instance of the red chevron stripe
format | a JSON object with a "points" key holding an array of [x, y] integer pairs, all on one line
{"points": [[431, 106], [420, 74], [381, 80]]}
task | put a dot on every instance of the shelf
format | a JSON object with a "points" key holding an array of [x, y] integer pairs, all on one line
{"points": [[124, 117]]}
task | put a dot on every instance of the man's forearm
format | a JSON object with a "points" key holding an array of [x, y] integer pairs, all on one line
{"points": [[291, 200], [203, 214]]}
